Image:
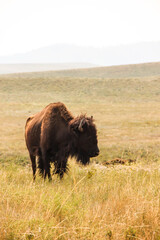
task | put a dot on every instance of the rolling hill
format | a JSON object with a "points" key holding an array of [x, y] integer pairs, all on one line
{"points": [[33, 67], [122, 71]]}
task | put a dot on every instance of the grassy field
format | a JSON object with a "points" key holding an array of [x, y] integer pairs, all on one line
{"points": [[97, 201]]}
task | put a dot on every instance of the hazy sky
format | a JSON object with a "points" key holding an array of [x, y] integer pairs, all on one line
{"points": [[30, 24]]}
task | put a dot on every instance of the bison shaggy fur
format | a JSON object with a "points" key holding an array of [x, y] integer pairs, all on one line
{"points": [[53, 135]]}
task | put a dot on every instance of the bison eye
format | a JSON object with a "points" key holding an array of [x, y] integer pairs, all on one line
{"points": [[89, 138], [92, 140]]}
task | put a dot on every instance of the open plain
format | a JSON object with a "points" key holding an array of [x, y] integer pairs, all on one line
{"points": [[98, 201]]}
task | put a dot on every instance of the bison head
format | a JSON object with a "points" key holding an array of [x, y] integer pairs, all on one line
{"points": [[86, 144]]}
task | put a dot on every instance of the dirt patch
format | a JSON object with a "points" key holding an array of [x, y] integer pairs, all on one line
{"points": [[117, 161]]}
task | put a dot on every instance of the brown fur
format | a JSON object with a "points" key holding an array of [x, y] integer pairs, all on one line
{"points": [[54, 134]]}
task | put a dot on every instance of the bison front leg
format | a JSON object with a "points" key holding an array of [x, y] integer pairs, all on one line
{"points": [[33, 160], [60, 166]]}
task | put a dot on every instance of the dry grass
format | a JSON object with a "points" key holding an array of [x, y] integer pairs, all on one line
{"points": [[90, 203], [95, 202]]}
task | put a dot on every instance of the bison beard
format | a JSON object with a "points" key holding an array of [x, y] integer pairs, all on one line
{"points": [[54, 134]]}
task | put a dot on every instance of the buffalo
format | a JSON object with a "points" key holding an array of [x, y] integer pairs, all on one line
{"points": [[53, 135]]}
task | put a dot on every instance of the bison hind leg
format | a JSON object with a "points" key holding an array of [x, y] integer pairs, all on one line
{"points": [[46, 164], [40, 166], [33, 160]]}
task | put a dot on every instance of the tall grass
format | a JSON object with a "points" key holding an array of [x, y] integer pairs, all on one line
{"points": [[90, 203]]}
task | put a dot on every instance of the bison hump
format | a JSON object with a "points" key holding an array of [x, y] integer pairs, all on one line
{"points": [[59, 110]]}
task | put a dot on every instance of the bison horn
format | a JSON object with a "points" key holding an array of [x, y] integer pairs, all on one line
{"points": [[80, 128]]}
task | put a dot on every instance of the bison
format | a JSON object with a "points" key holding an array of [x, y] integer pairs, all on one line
{"points": [[54, 134]]}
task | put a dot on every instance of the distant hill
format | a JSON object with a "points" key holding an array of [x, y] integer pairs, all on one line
{"points": [[118, 72], [105, 56], [122, 71], [22, 68], [97, 85]]}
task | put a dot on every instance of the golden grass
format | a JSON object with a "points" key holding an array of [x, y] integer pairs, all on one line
{"points": [[90, 203]]}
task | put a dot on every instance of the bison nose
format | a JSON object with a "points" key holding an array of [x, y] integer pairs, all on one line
{"points": [[97, 153], [94, 153]]}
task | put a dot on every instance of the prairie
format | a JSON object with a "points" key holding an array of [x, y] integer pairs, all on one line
{"points": [[96, 201]]}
